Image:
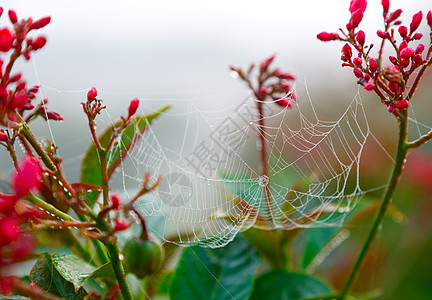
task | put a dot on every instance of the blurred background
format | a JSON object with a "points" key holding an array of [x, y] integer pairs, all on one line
{"points": [[175, 52]]}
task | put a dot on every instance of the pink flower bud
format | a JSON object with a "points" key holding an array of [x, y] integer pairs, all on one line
{"points": [[403, 31], [394, 15], [373, 65], [381, 34], [10, 231], [357, 61], [416, 19], [15, 78], [39, 42], [417, 36], [115, 201], [385, 4], [369, 86], [390, 109], [120, 225], [404, 63], [406, 53], [6, 39], [12, 16], [3, 136], [403, 45], [347, 51], [360, 37], [357, 72], [366, 77], [418, 59], [402, 104], [91, 94], [356, 18], [133, 106], [326, 36], [54, 116], [357, 5], [41, 23], [429, 19], [393, 86], [393, 60], [27, 176], [266, 63]]}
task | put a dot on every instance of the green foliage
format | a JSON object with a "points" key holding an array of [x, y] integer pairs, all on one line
{"points": [[278, 285], [223, 273], [65, 275]]}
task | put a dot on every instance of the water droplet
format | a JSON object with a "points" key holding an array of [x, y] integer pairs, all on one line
{"points": [[234, 74]]}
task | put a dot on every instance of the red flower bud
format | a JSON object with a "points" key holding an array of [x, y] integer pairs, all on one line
{"points": [[3, 94], [18, 100], [27, 176], [20, 86], [418, 59], [393, 60], [40, 23], [369, 86], [381, 34], [403, 45], [404, 63], [394, 15], [120, 225], [10, 230], [402, 104], [287, 76], [366, 77], [357, 5], [115, 201], [1, 11], [373, 65], [385, 4], [283, 102], [133, 106], [393, 86], [403, 31], [357, 72], [12, 16], [266, 63], [417, 36], [347, 51], [356, 18], [360, 37], [54, 116], [15, 78], [406, 53], [6, 39], [357, 61], [416, 19], [326, 36], [429, 19], [3, 136], [91, 95], [38, 43]]}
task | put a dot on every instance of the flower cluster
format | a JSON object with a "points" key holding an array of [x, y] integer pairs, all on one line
{"points": [[15, 213], [270, 82], [392, 82], [15, 96]]}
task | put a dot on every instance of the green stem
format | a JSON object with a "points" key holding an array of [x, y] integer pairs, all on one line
{"points": [[113, 253], [26, 132], [402, 150], [50, 208]]}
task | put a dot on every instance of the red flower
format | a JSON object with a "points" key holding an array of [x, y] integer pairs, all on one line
{"points": [[133, 106], [27, 176], [406, 52], [6, 39]]}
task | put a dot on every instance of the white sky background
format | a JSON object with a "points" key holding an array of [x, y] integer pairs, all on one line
{"points": [[163, 51]]}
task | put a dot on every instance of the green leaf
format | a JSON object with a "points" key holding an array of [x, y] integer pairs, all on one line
{"points": [[279, 285], [64, 275], [90, 165], [222, 273]]}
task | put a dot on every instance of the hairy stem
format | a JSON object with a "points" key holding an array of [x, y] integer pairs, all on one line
{"points": [[113, 253], [402, 150], [263, 166]]}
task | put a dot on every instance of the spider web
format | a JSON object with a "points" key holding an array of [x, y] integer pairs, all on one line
{"points": [[211, 187]]}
